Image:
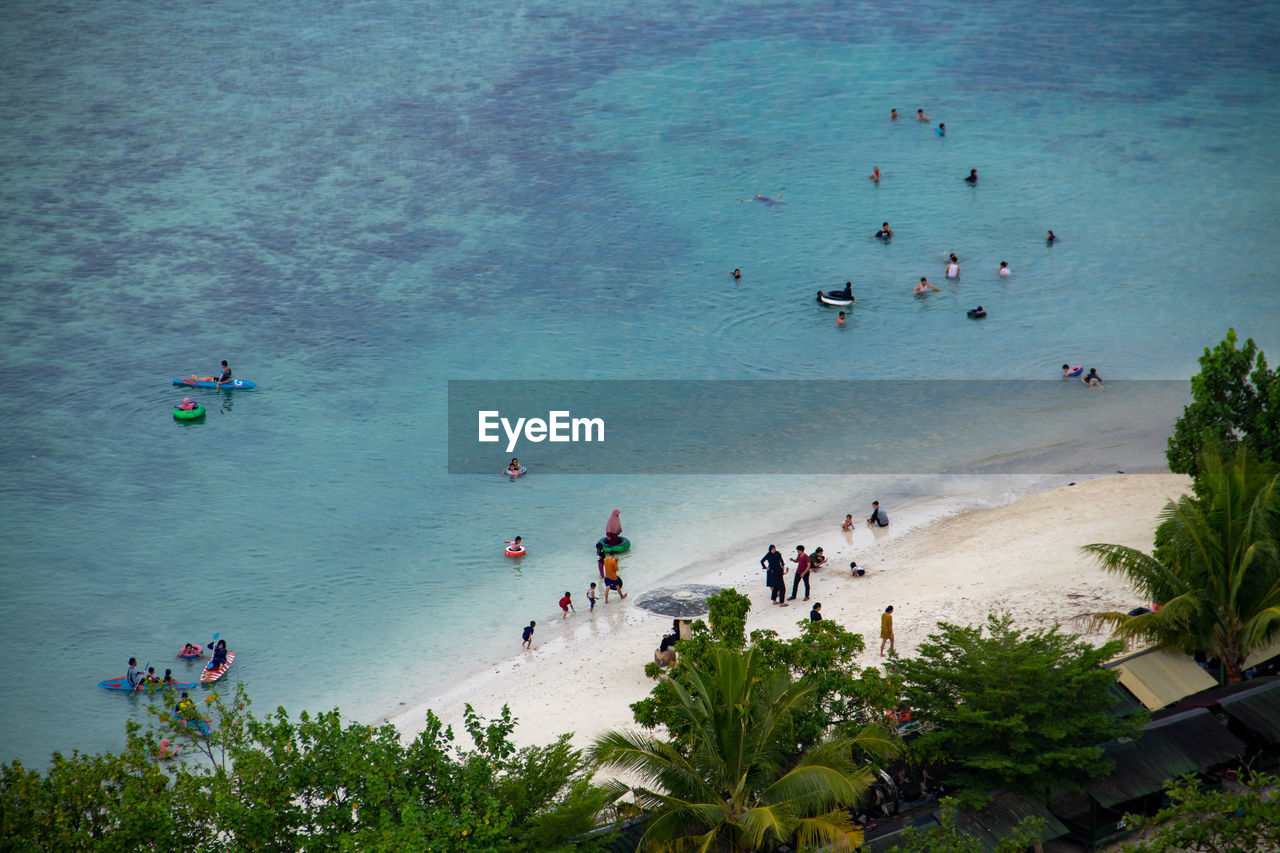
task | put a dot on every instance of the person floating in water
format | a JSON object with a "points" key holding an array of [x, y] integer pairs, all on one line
{"points": [[953, 268], [1092, 379], [885, 232], [920, 116], [764, 199], [973, 177], [923, 288], [875, 174], [225, 377], [737, 274], [187, 405], [1004, 268], [893, 115], [942, 129], [514, 467], [1049, 238], [840, 319]]}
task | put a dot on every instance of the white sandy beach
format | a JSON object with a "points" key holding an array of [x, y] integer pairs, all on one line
{"points": [[583, 674]]}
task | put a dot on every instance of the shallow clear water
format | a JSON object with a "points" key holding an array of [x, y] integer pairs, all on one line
{"points": [[358, 203]]}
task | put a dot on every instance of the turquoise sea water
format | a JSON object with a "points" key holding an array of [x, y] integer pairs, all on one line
{"points": [[358, 202]]}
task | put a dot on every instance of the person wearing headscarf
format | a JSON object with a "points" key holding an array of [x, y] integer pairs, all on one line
{"points": [[613, 529]]}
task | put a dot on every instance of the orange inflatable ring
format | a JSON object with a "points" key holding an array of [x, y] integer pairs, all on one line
{"points": [[518, 552]]}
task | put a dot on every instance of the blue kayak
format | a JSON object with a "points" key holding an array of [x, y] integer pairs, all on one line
{"points": [[234, 382]]}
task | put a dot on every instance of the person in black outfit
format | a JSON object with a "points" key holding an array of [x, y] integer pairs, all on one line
{"points": [[973, 176], [815, 615], [771, 560]]}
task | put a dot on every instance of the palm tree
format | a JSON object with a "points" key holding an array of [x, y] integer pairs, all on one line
{"points": [[1216, 571], [741, 784]]}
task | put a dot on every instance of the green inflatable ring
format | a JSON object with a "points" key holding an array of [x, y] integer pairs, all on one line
{"points": [[185, 415], [623, 546]]}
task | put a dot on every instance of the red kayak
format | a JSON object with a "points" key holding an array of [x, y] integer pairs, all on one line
{"points": [[208, 675]]}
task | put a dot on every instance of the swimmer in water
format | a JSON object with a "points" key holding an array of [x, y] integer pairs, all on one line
{"points": [[893, 115], [764, 199], [953, 268], [1050, 237], [1092, 379], [1004, 268], [840, 319], [973, 177], [920, 116], [942, 129], [923, 288], [875, 174], [1066, 370], [885, 232], [737, 274]]}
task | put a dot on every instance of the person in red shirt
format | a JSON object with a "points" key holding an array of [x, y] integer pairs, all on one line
{"points": [[801, 559], [566, 605]]}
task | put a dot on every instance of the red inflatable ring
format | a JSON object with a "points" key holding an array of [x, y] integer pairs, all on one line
{"points": [[519, 552]]}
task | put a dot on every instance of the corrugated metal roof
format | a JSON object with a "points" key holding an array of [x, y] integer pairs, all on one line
{"points": [[1258, 710], [1168, 748], [996, 821], [1263, 654], [1159, 678]]}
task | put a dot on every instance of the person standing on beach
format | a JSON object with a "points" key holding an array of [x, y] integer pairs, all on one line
{"points": [[878, 516], [566, 604], [815, 615], [611, 580], [801, 559], [770, 561], [886, 629], [778, 584], [591, 597], [528, 634], [600, 558]]}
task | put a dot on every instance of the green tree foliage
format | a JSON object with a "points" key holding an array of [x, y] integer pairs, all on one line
{"points": [[738, 783], [1212, 820], [824, 654], [1234, 399], [947, 837], [1216, 572], [311, 784], [1011, 708]]}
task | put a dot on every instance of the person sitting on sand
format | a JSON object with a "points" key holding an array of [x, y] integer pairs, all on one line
{"points": [[1004, 268], [923, 288], [225, 377], [817, 559], [514, 467], [848, 522], [878, 516], [885, 232], [856, 570], [875, 174]]}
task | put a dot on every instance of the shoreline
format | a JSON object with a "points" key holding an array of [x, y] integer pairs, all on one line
{"points": [[951, 557]]}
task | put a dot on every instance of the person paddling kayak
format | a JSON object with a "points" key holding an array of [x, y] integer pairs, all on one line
{"points": [[225, 377]]}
